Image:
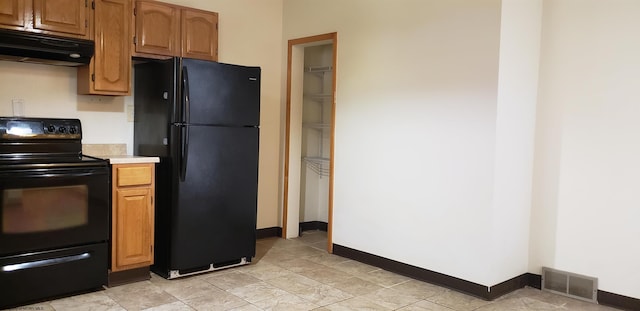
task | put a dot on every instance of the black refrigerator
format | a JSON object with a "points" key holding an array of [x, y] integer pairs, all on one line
{"points": [[202, 119]]}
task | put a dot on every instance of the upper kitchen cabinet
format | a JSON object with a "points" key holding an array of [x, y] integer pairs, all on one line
{"points": [[157, 28], [165, 30], [110, 70], [199, 34], [68, 18], [12, 14]]}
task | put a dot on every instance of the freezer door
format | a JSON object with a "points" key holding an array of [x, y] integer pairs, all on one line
{"points": [[221, 94], [215, 216]]}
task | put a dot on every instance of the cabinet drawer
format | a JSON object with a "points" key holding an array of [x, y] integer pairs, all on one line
{"points": [[133, 175]]}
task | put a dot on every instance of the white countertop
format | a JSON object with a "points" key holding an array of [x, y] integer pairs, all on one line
{"points": [[128, 159]]}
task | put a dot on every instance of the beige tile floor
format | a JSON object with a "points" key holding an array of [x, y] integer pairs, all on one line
{"points": [[298, 274]]}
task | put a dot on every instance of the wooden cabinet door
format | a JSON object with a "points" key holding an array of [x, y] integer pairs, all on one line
{"points": [[63, 16], [157, 29], [133, 222], [110, 70], [199, 34], [12, 14], [132, 225]]}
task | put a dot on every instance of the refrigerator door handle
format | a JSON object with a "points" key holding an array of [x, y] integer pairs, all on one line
{"points": [[185, 96], [184, 139], [185, 152]]}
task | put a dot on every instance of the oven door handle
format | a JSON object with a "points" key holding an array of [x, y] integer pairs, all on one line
{"points": [[66, 174], [44, 262], [34, 174]]}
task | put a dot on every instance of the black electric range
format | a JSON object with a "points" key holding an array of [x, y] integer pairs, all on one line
{"points": [[54, 211]]}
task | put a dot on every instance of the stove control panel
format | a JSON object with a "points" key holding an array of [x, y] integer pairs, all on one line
{"points": [[39, 128]]}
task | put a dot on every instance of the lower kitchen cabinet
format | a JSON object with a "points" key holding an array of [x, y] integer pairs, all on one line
{"points": [[132, 222]]}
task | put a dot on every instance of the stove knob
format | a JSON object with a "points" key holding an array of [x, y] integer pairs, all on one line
{"points": [[51, 129], [62, 130], [73, 130]]}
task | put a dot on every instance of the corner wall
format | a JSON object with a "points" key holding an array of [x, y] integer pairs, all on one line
{"points": [[585, 209], [415, 127], [520, 28]]}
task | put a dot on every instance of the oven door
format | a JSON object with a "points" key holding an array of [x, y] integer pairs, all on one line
{"points": [[47, 208]]}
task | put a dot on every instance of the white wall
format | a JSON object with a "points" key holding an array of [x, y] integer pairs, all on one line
{"points": [[585, 213], [520, 27], [50, 91], [415, 126], [250, 33]]}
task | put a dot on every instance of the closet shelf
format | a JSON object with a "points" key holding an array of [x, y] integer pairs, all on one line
{"points": [[319, 165], [318, 159], [318, 69], [318, 97], [318, 126]]}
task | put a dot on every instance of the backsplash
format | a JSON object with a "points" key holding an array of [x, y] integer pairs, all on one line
{"points": [[104, 149]]}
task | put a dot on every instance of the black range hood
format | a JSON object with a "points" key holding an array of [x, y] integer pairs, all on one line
{"points": [[32, 47]]}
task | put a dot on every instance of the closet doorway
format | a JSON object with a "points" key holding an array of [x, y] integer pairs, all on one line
{"points": [[310, 131]]}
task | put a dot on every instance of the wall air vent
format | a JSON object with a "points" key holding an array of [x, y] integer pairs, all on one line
{"points": [[570, 284]]}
